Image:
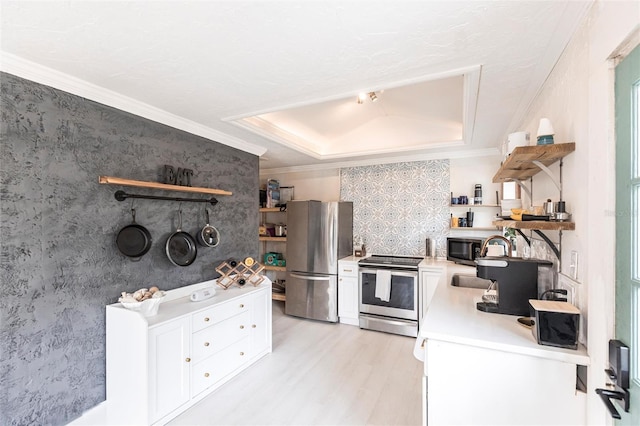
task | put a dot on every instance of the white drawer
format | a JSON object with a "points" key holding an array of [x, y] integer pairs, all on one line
{"points": [[347, 269], [218, 313], [212, 339], [206, 373]]}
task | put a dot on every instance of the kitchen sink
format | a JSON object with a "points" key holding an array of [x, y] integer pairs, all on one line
{"points": [[469, 281]]}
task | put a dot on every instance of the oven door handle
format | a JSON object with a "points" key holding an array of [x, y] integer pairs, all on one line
{"points": [[309, 277]]}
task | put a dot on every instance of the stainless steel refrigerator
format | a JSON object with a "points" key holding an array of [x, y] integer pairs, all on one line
{"points": [[318, 234]]}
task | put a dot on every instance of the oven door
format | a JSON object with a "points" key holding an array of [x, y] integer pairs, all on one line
{"points": [[403, 297]]}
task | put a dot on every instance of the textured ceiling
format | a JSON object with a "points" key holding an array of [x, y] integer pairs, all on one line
{"points": [[208, 63]]}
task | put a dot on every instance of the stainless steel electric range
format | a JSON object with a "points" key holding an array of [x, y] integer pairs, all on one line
{"points": [[389, 294]]}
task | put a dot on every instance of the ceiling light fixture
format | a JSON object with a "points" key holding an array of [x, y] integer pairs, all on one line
{"points": [[363, 96]]}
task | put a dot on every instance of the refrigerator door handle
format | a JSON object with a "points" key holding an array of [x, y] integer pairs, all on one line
{"points": [[310, 278]]}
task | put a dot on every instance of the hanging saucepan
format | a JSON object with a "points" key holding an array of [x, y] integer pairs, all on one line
{"points": [[134, 240], [208, 235], [181, 246]]}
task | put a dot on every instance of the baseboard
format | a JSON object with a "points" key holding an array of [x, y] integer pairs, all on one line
{"points": [[95, 416]]}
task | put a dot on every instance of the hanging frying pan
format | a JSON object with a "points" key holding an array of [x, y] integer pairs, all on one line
{"points": [[208, 235], [181, 246], [134, 240]]}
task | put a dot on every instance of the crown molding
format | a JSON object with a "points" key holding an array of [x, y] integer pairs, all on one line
{"points": [[23, 68]]}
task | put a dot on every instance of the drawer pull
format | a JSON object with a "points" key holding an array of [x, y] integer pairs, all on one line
{"points": [[206, 374], [242, 305], [241, 327], [241, 353], [253, 326], [206, 319], [206, 343], [348, 270], [188, 359]]}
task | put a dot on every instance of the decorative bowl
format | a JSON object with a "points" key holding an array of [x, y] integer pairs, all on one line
{"points": [[147, 308]]}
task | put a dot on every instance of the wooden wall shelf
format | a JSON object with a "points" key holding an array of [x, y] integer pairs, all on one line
{"points": [[275, 268], [536, 224], [473, 206], [110, 180], [278, 296], [281, 239], [520, 164], [472, 228], [271, 210]]}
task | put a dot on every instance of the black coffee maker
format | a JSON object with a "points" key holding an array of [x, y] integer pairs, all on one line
{"points": [[516, 280]]}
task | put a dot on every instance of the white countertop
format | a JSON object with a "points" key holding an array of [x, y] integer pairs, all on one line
{"points": [[177, 302], [452, 317]]}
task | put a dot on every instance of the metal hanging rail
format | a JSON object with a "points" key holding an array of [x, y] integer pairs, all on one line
{"points": [[121, 196]]}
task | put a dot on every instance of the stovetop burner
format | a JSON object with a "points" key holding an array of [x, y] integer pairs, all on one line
{"points": [[397, 261]]}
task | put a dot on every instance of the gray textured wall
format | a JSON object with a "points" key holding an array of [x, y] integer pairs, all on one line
{"points": [[60, 264]]}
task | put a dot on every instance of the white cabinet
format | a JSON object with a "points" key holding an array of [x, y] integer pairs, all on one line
{"points": [[348, 291], [499, 388], [260, 333], [429, 279], [157, 367], [169, 367], [493, 367]]}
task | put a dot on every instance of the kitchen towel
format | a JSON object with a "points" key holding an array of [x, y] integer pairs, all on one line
{"points": [[383, 285]]}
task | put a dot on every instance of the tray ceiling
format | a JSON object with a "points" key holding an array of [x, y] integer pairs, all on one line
{"points": [[280, 78]]}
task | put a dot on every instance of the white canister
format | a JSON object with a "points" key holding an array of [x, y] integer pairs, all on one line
{"points": [[517, 139]]}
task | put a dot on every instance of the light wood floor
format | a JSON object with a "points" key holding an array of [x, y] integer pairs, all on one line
{"points": [[320, 374]]}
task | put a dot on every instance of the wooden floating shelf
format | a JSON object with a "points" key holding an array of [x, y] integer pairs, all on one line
{"points": [[275, 268], [271, 210], [473, 205], [536, 224], [519, 165], [278, 296], [282, 239], [473, 228], [110, 180]]}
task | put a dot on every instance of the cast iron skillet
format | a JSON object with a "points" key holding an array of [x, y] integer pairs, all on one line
{"points": [[208, 235], [181, 247], [134, 240]]}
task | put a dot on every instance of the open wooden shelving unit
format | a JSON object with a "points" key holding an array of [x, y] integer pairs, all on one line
{"points": [[524, 163], [264, 240]]}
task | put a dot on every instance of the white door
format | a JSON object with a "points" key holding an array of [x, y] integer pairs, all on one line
{"points": [[260, 325], [169, 367], [628, 222]]}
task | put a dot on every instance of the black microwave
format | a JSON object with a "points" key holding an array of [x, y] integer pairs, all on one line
{"points": [[464, 250]]}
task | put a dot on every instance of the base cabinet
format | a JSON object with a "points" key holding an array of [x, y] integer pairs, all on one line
{"points": [[429, 279], [168, 367], [348, 295], [498, 388], [160, 366]]}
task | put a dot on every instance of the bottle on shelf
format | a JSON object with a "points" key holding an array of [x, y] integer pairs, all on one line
{"points": [[477, 196]]}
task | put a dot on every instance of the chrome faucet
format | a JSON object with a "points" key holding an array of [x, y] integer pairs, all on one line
{"points": [[483, 250]]}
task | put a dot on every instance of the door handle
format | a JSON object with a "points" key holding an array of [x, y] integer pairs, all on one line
{"points": [[606, 395], [310, 278]]}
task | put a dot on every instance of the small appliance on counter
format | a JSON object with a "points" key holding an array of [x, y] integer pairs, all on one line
{"points": [[555, 323], [464, 250], [516, 282]]}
